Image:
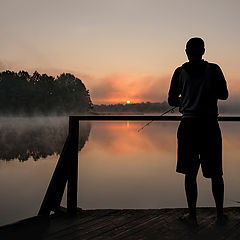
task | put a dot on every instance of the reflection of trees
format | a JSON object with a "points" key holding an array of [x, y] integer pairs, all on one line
{"points": [[36, 137]]}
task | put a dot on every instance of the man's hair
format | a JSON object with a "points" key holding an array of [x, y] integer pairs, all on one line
{"points": [[195, 46]]}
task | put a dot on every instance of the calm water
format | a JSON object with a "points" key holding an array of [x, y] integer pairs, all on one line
{"points": [[118, 166]]}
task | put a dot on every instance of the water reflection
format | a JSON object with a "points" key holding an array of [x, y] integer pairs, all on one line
{"points": [[36, 137], [123, 137], [123, 168], [119, 167]]}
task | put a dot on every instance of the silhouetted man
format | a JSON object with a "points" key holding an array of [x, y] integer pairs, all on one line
{"points": [[195, 88]]}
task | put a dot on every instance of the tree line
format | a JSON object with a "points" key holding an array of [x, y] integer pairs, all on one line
{"points": [[144, 107], [22, 93]]}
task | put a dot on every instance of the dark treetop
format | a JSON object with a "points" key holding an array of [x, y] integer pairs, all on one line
{"points": [[21, 93]]}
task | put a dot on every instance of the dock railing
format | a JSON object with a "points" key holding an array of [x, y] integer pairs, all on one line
{"points": [[66, 171]]}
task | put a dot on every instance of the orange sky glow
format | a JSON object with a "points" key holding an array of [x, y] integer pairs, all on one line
{"points": [[121, 50]]}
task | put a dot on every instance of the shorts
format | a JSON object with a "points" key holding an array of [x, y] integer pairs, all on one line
{"points": [[199, 143]]}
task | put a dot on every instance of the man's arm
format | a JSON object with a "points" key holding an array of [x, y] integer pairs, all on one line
{"points": [[174, 91], [222, 91]]}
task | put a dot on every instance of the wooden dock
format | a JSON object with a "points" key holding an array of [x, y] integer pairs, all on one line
{"points": [[124, 224], [73, 224]]}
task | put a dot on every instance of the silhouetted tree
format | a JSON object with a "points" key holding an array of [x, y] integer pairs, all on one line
{"points": [[21, 93]]}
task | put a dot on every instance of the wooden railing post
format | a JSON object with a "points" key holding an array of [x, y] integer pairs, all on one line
{"points": [[72, 186], [53, 196], [66, 171]]}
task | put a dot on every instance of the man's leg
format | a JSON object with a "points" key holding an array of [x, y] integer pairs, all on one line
{"points": [[218, 193], [191, 193]]}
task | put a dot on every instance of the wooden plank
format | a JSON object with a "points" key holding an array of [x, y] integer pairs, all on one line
{"points": [[83, 220], [142, 118], [146, 227], [86, 228], [31, 228], [125, 224], [109, 227], [103, 224], [126, 118]]}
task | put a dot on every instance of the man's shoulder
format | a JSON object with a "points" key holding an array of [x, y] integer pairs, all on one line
{"points": [[178, 70], [203, 62], [213, 66]]}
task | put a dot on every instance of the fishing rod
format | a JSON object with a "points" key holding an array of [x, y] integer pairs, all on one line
{"points": [[169, 110]]}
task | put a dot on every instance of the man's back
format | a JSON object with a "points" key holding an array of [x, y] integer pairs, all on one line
{"points": [[199, 84]]}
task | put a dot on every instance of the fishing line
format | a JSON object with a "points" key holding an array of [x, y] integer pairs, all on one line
{"points": [[169, 110]]}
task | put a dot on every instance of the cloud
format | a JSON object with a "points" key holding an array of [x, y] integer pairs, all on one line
{"points": [[118, 88]]}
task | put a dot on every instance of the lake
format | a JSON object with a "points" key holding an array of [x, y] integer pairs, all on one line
{"points": [[119, 167]]}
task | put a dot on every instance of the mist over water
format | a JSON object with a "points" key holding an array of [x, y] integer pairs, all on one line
{"points": [[35, 137], [119, 167]]}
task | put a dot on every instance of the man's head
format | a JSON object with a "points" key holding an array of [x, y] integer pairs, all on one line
{"points": [[195, 48]]}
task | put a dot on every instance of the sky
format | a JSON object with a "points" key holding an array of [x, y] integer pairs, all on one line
{"points": [[121, 50]]}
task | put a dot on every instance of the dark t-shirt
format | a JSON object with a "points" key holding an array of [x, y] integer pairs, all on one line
{"points": [[196, 87]]}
